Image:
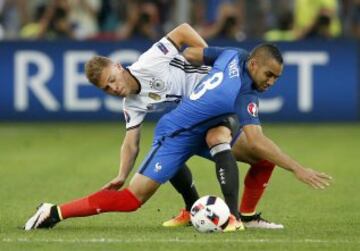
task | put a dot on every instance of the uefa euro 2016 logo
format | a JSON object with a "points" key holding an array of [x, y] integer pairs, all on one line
{"points": [[252, 109]]}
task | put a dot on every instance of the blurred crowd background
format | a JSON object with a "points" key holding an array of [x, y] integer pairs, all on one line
{"points": [[281, 20]]}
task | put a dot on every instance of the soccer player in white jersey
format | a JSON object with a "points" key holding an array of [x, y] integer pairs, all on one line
{"points": [[160, 76]]}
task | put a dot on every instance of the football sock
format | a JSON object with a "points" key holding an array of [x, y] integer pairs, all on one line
{"points": [[100, 202], [255, 184], [183, 183], [228, 175]]}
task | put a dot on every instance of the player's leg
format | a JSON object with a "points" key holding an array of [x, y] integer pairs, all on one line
{"points": [[126, 200], [129, 199], [184, 185], [218, 140], [256, 178], [141, 188], [255, 183], [227, 172]]}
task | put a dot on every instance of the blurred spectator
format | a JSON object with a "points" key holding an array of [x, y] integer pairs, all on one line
{"points": [[167, 14], [55, 23], [219, 19], [351, 18], [111, 14], [32, 29], [256, 19], [355, 19], [13, 15], [320, 29], [1, 19], [317, 18], [142, 21], [150, 19], [83, 17], [284, 30]]}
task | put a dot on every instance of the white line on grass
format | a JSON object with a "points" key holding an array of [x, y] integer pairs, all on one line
{"points": [[177, 240]]}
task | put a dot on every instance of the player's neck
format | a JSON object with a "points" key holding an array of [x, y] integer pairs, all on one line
{"points": [[133, 83]]}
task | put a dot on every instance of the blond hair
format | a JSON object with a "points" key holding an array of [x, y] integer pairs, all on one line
{"points": [[94, 68]]}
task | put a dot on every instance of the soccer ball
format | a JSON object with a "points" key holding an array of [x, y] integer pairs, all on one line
{"points": [[209, 214]]}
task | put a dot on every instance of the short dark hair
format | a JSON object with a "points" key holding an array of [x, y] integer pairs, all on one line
{"points": [[269, 50]]}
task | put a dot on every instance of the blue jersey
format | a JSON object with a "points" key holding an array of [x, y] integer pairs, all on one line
{"points": [[180, 134], [227, 89]]}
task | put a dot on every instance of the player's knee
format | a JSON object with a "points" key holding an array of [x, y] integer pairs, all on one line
{"points": [[244, 156], [218, 135], [265, 164], [142, 187]]}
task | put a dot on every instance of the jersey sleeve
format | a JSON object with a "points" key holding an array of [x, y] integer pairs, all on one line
{"points": [[247, 109], [156, 59], [134, 115], [212, 53]]}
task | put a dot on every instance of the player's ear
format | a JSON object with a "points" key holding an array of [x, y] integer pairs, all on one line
{"points": [[252, 63]]}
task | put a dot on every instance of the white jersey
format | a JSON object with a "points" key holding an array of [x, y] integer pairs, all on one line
{"points": [[164, 77]]}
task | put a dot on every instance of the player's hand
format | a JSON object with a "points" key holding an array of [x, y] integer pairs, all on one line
{"points": [[317, 180], [115, 184]]}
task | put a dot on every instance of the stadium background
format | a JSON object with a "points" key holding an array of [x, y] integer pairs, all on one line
{"points": [[60, 137]]}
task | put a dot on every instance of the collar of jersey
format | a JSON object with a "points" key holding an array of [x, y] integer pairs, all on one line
{"points": [[137, 81]]}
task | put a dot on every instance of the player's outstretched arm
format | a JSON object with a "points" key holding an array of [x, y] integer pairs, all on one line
{"points": [[184, 34], [265, 148], [128, 153]]}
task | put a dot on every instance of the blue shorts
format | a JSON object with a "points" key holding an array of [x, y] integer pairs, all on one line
{"points": [[169, 152]]}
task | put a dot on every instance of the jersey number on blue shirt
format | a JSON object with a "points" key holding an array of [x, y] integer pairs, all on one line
{"points": [[208, 84]]}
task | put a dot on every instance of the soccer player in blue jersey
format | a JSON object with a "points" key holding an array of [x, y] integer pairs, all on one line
{"points": [[255, 146], [230, 88]]}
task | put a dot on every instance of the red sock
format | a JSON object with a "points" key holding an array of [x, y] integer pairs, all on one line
{"points": [[100, 202], [255, 183]]}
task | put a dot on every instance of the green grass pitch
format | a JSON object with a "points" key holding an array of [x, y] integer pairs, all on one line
{"points": [[56, 162]]}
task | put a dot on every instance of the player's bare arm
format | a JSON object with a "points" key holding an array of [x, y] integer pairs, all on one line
{"points": [[267, 149], [128, 154], [184, 34], [194, 55]]}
